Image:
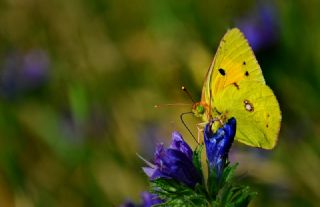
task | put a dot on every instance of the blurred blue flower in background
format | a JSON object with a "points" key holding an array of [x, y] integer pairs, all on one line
{"points": [[35, 67], [24, 72], [174, 162], [218, 145], [260, 26], [148, 200], [148, 137]]}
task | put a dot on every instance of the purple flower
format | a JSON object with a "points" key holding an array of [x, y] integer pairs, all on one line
{"points": [[35, 67], [23, 72], [218, 145], [148, 200], [174, 162], [179, 144]]}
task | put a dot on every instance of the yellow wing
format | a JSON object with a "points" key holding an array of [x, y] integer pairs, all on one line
{"points": [[233, 62], [256, 110], [234, 87]]}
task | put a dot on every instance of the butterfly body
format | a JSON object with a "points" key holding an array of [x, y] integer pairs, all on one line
{"points": [[234, 87]]}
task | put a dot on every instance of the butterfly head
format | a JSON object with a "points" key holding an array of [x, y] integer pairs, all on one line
{"points": [[200, 110]]}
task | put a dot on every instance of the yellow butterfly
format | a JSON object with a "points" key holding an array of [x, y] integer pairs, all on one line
{"points": [[234, 87]]}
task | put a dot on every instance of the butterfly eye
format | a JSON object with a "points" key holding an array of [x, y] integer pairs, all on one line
{"points": [[200, 109]]}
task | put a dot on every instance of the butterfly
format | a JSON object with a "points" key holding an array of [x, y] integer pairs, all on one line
{"points": [[235, 87]]}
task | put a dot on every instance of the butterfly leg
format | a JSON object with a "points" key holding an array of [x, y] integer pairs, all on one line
{"points": [[200, 127]]}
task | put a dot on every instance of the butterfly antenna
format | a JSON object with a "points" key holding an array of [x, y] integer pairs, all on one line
{"points": [[185, 125], [188, 93], [174, 104]]}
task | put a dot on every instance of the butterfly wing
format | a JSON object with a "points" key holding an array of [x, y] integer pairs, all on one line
{"points": [[233, 62], [234, 87], [256, 110]]}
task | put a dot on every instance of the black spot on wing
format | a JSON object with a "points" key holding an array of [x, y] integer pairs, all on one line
{"points": [[244, 63], [222, 72], [246, 73], [236, 85]]}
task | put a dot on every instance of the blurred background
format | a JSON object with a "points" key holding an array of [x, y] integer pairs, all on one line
{"points": [[79, 79]]}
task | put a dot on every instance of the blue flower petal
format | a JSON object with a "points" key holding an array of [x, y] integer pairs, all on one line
{"points": [[149, 199], [179, 144], [149, 171], [218, 144], [176, 163], [180, 167]]}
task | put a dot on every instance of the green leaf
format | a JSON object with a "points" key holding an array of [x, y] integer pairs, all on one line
{"points": [[234, 196], [178, 194], [223, 191], [228, 173], [243, 197], [197, 158], [213, 184]]}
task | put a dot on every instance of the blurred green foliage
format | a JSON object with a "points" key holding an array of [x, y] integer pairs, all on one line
{"points": [[78, 81]]}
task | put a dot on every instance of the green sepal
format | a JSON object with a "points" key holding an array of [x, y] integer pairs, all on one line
{"points": [[224, 192], [215, 183], [197, 158], [233, 196], [176, 194], [228, 173]]}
